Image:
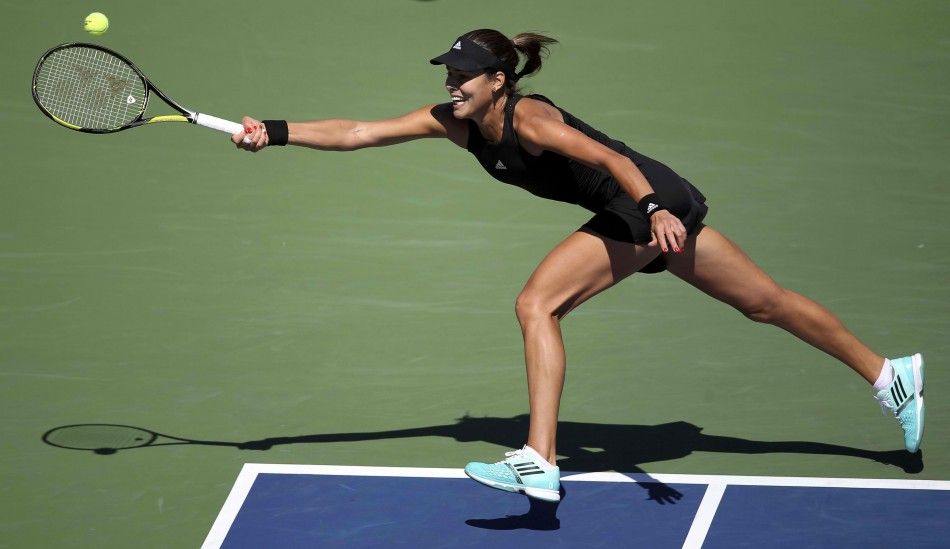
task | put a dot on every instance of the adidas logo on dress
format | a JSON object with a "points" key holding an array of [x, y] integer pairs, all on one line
{"points": [[500, 166]]}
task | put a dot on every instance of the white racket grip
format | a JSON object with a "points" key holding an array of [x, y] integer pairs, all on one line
{"points": [[219, 124]]}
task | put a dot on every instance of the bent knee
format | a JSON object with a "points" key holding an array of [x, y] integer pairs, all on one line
{"points": [[765, 307], [530, 306]]}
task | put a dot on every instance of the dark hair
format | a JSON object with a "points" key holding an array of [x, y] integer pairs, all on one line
{"points": [[530, 45]]}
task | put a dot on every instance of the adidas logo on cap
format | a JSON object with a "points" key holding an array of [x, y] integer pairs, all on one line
{"points": [[457, 46], [500, 166]]}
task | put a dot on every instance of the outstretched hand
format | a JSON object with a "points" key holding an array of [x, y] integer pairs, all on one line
{"points": [[255, 133], [668, 232]]}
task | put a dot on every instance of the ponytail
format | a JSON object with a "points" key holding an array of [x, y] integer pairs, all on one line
{"points": [[533, 47]]}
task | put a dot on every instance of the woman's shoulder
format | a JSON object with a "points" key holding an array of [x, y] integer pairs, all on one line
{"points": [[534, 100], [535, 108]]}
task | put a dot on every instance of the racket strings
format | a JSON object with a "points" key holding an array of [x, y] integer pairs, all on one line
{"points": [[90, 88]]}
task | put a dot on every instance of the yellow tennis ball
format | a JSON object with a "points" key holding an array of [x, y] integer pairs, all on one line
{"points": [[96, 23]]}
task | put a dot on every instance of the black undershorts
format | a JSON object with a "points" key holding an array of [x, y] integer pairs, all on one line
{"points": [[620, 219]]}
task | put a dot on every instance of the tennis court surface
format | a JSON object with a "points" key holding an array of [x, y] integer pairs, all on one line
{"points": [[342, 506], [306, 307]]}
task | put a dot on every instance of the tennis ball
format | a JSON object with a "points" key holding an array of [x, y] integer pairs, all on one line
{"points": [[96, 23]]}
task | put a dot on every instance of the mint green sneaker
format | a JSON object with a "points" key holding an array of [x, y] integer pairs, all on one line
{"points": [[522, 471], [905, 398]]}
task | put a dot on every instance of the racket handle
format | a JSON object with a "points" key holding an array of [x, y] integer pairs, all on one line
{"points": [[219, 124]]}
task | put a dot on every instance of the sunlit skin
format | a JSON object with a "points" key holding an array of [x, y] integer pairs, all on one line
{"points": [[478, 99], [584, 264]]}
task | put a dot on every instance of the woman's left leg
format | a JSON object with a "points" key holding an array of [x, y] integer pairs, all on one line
{"points": [[718, 267], [712, 263]]}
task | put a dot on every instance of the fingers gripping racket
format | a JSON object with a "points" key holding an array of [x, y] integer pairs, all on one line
{"points": [[92, 89]]}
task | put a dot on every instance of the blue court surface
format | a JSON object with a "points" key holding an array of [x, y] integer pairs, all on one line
{"points": [[343, 506]]}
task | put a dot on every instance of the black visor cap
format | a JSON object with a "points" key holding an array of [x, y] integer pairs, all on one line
{"points": [[466, 55]]}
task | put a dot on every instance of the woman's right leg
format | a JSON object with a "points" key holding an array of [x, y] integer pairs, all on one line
{"points": [[579, 268]]}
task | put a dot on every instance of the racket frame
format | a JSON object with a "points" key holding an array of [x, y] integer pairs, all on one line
{"points": [[186, 115]]}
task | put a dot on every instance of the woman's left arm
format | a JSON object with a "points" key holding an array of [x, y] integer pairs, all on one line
{"points": [[538, 130]]}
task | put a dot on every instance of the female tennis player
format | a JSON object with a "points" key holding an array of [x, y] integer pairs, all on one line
{"points": [[646, 219]]}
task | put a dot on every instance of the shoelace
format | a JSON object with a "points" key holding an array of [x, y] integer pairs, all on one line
{"points": [[513, 453], [885, 407]]}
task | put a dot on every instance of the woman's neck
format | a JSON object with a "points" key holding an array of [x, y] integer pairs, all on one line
{"points": [[492, 123]]}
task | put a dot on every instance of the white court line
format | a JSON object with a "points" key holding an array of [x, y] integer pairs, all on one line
{"points": [[704, 516], [355, 470], [229, 512], [794, 482], [716, 487]]}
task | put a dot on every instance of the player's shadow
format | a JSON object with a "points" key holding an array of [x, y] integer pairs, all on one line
{"points": [[589, 447], [541, 515], [585, 447]]}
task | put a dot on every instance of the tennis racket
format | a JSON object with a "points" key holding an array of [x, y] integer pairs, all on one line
{"points": [[92, 89]]}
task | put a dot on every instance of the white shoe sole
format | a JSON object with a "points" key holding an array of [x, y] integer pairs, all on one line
{"points": [[543, 494], [917, 365]]}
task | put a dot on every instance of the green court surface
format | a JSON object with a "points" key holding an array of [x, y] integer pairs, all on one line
{"points": [[358, 307]]}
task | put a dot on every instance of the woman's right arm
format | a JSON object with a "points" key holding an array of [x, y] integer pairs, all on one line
{"points": [[350, 135]]}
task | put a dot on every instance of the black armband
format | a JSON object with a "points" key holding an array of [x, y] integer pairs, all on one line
{"points": [[277, 133], [650, 204]]}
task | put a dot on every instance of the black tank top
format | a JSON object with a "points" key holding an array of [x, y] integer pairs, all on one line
{"points": [[550, 175]]}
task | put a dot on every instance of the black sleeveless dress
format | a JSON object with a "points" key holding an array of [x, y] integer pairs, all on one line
{"points": [[560, 178]]}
